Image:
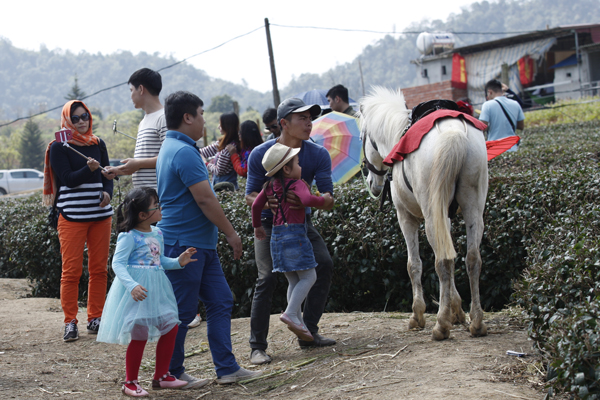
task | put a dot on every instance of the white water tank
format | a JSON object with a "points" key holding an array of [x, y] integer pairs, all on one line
{"points": [[434, 43]]}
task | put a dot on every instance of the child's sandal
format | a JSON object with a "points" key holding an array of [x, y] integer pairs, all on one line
{"points": [[163, 383], [138, 392]]}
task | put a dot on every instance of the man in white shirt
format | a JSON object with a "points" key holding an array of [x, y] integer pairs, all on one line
{"points": [[145, 86], [502, 115]]}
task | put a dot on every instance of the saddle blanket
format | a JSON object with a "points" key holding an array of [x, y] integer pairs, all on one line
{"points": [[412, 138]]}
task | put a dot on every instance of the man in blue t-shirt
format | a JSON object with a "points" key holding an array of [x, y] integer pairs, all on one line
{"points": [[295, 119], [501, 114], [191, 216]]}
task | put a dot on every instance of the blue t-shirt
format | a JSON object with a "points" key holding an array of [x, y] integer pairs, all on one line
{"points": [[178, 167], [498, 125], [314, 160]]}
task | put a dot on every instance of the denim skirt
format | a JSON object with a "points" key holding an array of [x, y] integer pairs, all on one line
{"points": [[290, 248]]}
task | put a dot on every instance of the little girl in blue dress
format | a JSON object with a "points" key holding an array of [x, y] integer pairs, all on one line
{"points": [[141, 305]]}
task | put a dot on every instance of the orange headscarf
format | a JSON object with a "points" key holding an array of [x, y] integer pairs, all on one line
{"points": [[79, 139]]}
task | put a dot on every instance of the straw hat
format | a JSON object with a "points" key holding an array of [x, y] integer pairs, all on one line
{"points": [[276, 157]]}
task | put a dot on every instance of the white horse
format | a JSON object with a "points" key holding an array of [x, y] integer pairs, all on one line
{"points": [[451, 163]]}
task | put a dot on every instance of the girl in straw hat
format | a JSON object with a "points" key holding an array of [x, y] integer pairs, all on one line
{"points": [[291, 250]]}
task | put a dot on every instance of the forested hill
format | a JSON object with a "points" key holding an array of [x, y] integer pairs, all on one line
{"points": [[31, 81], [34, 80]]}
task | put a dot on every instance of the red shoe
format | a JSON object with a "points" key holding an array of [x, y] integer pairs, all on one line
{"points": [[299, 330], [138, 392], [167, 381]]}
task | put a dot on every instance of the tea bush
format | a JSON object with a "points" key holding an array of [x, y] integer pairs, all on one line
{"points": [[559, 290]]}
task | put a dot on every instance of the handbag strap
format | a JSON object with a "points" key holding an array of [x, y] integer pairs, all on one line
{"points": [[512, 125]]}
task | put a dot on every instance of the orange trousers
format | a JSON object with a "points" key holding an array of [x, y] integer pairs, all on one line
{"points": [[73, 237]]}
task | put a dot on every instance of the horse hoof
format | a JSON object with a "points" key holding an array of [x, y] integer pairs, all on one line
{"points": [[414, 323], [476, 332], [440, 334]]}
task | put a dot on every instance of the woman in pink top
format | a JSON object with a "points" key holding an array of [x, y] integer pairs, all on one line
{"points": [[291, 250]]}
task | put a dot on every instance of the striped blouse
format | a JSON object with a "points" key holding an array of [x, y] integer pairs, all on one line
{"points": [[221, 165], [80, 189]]}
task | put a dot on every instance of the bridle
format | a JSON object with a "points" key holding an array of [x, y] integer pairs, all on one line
{"points": [[387, 191], [366, 162]]}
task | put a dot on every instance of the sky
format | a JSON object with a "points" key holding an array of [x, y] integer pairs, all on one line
{"points": [[183, 28]]}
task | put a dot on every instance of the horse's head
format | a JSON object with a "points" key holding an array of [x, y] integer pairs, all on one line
{"points": [[383, 117]]}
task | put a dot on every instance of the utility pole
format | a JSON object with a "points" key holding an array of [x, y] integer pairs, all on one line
{"points": [[276, 99], [362, 81], [504, 75], [578, 57]]}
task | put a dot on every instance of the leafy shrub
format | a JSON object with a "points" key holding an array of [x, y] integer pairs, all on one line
{"points": [[565, 112], [559, 290]]}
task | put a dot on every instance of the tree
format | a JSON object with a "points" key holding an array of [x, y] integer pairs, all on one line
{"points": [[76, 92], [221, 104], [31, 146]]}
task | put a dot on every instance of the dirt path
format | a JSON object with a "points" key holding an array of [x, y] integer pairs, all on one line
{"points": [[375, 358]]}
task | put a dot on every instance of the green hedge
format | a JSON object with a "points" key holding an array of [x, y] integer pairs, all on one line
{"points": [[560, 290]]}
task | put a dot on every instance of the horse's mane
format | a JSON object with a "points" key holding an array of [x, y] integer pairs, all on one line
{"points": [[384, 111]]}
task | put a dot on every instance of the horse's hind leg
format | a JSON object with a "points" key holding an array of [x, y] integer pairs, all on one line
{"points": [[458, 315], [444, 269], [410, 229], [474, 222]]}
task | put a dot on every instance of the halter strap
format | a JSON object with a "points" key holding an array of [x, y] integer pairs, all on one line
{"points": [[370, 166]]}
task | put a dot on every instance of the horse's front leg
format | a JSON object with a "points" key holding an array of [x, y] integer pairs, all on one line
{"points": [[444, 269], [410, 229], [458, 315]]}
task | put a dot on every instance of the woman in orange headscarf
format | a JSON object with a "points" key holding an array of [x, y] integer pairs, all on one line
{"points": [[83, 199]]}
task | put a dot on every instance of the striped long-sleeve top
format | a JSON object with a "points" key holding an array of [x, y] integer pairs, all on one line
{"points": [[80, 189], [221, 165]]}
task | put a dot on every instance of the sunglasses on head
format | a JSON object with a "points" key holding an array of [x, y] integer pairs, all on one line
{"points": [[83, 117]]}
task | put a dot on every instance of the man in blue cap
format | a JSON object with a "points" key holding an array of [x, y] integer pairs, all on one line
{"points": [[295, 119]]}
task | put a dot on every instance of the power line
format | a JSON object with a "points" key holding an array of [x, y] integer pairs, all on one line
{"points": [[400, 33]]}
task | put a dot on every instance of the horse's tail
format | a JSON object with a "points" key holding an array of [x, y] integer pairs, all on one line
{"points": [[448, 158]]}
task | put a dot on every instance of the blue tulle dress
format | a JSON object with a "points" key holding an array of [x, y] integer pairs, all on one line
{"points": [[139, 260]]}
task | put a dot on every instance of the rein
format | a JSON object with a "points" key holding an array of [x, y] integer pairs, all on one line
{"points": [[387, 190]]}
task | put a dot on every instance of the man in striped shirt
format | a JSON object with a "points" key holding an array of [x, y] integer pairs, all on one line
{"points": [[145, 86]]}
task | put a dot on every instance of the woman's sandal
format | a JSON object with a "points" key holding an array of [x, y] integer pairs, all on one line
{"points": [[163, 383], [138, 392]]}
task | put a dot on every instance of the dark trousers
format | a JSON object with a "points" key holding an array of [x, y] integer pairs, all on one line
{"points": [[314, 304], [203, 279]]}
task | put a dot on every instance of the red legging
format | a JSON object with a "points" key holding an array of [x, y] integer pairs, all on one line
{"points": [[164, 351]]}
